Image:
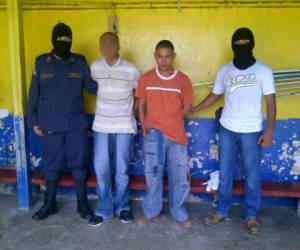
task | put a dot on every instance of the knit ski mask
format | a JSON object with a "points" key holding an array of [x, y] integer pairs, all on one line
{"points": [[243, 57], [61, 48]]}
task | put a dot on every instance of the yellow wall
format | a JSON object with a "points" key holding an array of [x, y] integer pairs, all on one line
{"points": [[5, 90], [201, 36]]}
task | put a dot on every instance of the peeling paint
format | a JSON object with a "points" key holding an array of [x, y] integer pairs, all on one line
{"points": [[284, 155], [296, 144], [274, 167], [195, 162], [7, 152], [3, 113], [284, 146], [191, 123], [217, 136], [35, 161], [296, 168], [205, 172], [213, 151]]}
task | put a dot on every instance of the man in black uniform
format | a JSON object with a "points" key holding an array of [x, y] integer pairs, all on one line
{"points": [[56, 112]]}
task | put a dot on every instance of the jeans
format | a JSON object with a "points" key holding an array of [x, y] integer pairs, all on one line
{"points": [[158, 150], [122, 145], [251, 156]]}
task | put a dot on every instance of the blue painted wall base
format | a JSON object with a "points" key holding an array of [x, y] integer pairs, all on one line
{"points": [[280, 162]]}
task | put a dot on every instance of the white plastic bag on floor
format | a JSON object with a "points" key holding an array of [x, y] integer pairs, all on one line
{"points": [[213, 182]]}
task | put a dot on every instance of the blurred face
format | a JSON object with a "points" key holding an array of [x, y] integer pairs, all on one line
{"points": [[164, 58], [109, 47]]}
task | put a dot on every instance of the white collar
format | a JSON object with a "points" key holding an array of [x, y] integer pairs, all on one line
{"points": [[166, 77], [117, 63]]}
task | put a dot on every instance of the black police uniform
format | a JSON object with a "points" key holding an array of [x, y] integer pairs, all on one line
{"points": [[56, 105]]}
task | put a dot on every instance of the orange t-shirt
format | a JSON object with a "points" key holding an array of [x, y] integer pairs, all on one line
{"points": [[165, 98]]}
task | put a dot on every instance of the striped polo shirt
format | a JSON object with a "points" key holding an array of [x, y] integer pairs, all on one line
{"points": [[114, 108]]}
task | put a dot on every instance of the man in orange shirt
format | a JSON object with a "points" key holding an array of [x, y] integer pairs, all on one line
{"points": [[165, 97]]}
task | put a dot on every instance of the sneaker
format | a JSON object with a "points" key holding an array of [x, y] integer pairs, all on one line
{"points": [[95, 221], [252, 225], [143, 221], [125, 216], [186, 224], [213, 219]]}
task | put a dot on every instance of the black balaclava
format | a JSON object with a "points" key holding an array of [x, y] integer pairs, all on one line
{"points": [[243, 57], [61, 48]]}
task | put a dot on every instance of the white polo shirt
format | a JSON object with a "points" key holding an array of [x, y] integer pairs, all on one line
{"points": [[244, 90], [114, 109]]}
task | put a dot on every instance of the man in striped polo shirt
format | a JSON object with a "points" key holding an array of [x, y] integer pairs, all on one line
{"points": [[114, 127]]}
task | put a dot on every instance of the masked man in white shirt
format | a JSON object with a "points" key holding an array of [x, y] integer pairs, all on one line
{"points": [[244, 82]]}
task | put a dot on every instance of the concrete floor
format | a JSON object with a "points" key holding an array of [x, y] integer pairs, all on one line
{"points": [[66, 230]]}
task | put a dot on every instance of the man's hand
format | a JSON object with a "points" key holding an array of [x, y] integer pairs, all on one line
{"points": [[266, 139], [186, 110], [136, 107], [144, 130], [142, 114], [193, 110], [208, 101], [37, 130]]}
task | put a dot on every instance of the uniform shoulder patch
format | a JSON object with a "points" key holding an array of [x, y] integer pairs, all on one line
{"points": [[47, 75], [74, 75]]}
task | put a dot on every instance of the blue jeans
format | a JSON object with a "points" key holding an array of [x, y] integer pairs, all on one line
{"points": [[159, 150], [251, 156], [122, 144]]}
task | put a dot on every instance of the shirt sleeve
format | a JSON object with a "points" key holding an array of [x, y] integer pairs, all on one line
{"points": [[268, 83], [187, 92], [89, 84], [141, 89], [219, 87], [33, 98], [136, 76], [93, 76]]}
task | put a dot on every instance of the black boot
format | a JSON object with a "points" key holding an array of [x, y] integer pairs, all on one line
{"points": [[49, 206], [82, 202]]}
